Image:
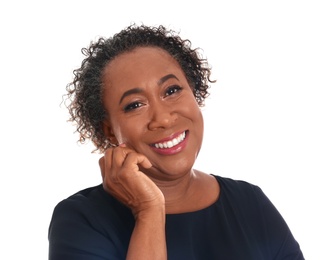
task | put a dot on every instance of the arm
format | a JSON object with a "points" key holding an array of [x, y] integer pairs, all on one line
{"points": [[282, 243], [148, 238], [123, 179]]}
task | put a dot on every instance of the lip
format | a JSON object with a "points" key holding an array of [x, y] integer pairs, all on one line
{"points": [[175, 149]]}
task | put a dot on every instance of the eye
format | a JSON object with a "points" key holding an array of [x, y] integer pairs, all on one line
{"points": [[132, 106], [172, 90]]}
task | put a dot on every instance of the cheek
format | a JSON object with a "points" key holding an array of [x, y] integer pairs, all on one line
{"points": [[118, 130], [193, 111], [199, 124], [128, 132]]}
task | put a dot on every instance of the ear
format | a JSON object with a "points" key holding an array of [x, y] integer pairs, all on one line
{"points": [[108, 132]]}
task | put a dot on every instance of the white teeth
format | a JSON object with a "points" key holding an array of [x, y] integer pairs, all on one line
{"points": [[174, 142]]}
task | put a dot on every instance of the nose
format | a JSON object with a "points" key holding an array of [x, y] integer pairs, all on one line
{"points": [[162, 116]]}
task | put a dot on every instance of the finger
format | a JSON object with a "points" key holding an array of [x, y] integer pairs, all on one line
{"points": [[118, 156], [120, 160], [106, 162], [137, 159], [144, 162], [141, 160], [113, 161]]}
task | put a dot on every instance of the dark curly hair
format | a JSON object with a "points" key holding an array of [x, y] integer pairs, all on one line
{"points": [[84, 97]]}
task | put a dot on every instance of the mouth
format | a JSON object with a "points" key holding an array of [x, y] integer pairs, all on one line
{"points": [[170, 143]]}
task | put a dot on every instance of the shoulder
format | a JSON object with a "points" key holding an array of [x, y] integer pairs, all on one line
{"points": [[82, 197], [246, 199], [90, 221], [237, 186], [79, 206], [89, 203], [242, 193], [247, 203]]}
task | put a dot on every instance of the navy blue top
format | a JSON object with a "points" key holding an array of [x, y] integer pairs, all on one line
{"points": [[242, 224]]}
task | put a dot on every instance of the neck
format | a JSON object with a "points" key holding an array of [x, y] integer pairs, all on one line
{"points": [[178, 191]]}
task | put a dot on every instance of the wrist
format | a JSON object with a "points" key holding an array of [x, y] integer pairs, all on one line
{"points": [[156, 212]]}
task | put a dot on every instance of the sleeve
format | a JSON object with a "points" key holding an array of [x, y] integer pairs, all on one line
{"points": [[282, 244], [74, 234]]}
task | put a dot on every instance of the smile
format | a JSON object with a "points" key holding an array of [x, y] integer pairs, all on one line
{"points": [[169, 144]]}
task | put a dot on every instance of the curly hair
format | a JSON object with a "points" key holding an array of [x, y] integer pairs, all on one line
{"points": [[84, 97]]}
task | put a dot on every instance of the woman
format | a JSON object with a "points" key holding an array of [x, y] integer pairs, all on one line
{"points": [[137, 96]]}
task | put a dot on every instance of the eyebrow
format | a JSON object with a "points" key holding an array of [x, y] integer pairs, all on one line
{"points": [[130, 92], [165, 78], [139, 90]]}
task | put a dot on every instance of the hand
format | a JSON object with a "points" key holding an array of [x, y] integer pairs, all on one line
{"points": [[123, 179]]}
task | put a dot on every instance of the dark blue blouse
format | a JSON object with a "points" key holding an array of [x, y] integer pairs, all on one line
{"points": [[242, 224]]}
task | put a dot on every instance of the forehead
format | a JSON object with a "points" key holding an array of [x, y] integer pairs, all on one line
{"points": [[141, 62], [140, 54]]}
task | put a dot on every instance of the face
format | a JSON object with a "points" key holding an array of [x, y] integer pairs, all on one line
{"points": [[152, 109]]}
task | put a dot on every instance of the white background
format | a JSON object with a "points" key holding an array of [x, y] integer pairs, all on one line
{"points": [[265, 119]]}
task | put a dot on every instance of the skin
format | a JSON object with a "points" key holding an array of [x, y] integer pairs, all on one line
{"points": [[148, 100]]}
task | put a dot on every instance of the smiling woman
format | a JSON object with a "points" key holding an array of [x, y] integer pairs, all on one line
{"points": [[138, 96], [159, 110]]}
